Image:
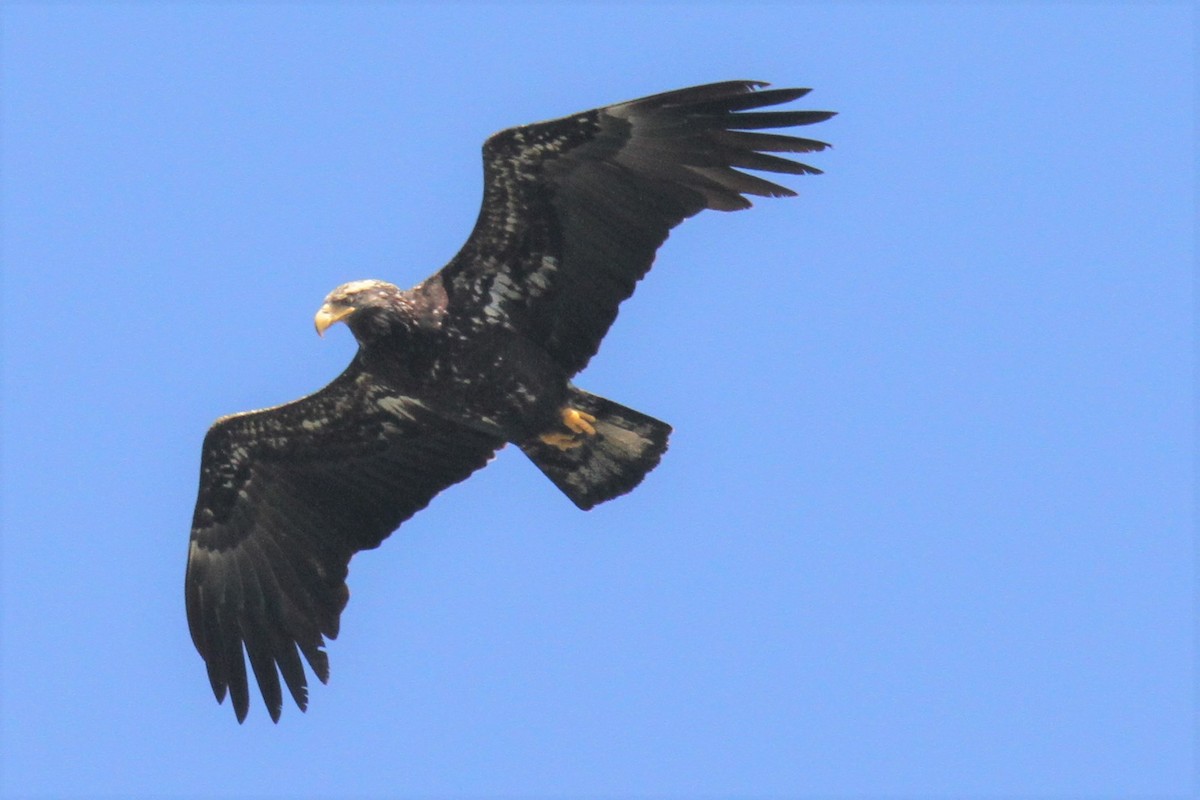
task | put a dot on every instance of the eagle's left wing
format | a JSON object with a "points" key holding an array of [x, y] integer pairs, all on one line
{"points": [[575, 208], [287, 496]]}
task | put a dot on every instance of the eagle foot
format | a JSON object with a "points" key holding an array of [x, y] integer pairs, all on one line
{"points": [[579, 423]]}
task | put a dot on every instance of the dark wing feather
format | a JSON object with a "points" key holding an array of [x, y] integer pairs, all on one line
{"points": [[287, 496], [575, 208]]}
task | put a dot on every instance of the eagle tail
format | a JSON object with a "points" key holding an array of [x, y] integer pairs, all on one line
{"points": [[594, 467]]}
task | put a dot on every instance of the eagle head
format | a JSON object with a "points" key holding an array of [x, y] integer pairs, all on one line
{"points": [[368, 308]]}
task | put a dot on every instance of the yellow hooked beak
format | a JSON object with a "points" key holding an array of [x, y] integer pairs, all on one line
{"points": [[330, 314]]}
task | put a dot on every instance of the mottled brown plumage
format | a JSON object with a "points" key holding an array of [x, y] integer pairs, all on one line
{"points": [[479, 355]]}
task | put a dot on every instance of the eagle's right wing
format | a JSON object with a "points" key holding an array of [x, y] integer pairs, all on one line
{"points": [[287, 496]]}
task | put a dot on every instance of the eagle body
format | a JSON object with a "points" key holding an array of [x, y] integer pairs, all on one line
{"points": [[488, 377], [479, 355]]}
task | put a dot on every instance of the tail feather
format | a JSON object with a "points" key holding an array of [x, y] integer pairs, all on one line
{"points": [[626, 446]]}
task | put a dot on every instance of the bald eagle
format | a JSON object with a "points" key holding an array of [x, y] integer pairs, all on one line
{"points": [[479, 355]]}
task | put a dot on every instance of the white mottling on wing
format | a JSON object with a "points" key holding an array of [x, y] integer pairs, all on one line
{"points": [[402, 407], [539, 279]]}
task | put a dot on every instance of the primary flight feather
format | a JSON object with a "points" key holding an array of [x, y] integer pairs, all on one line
{"points": [[479, 355]]}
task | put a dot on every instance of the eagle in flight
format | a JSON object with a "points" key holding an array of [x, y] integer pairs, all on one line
{"points": [[479, 355]]}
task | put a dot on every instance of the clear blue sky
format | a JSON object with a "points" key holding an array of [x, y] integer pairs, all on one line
{"points": [[925, 527]]}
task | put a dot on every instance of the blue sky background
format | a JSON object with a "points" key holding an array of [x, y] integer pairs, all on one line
{"points": [[925, 527]]}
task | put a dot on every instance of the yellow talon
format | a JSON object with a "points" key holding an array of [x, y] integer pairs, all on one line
{"points": [[579, 423], [563, 441]]}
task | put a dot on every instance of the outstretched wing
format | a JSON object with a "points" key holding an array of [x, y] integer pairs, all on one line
{"points": [[575, 208], [287, 496]]}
